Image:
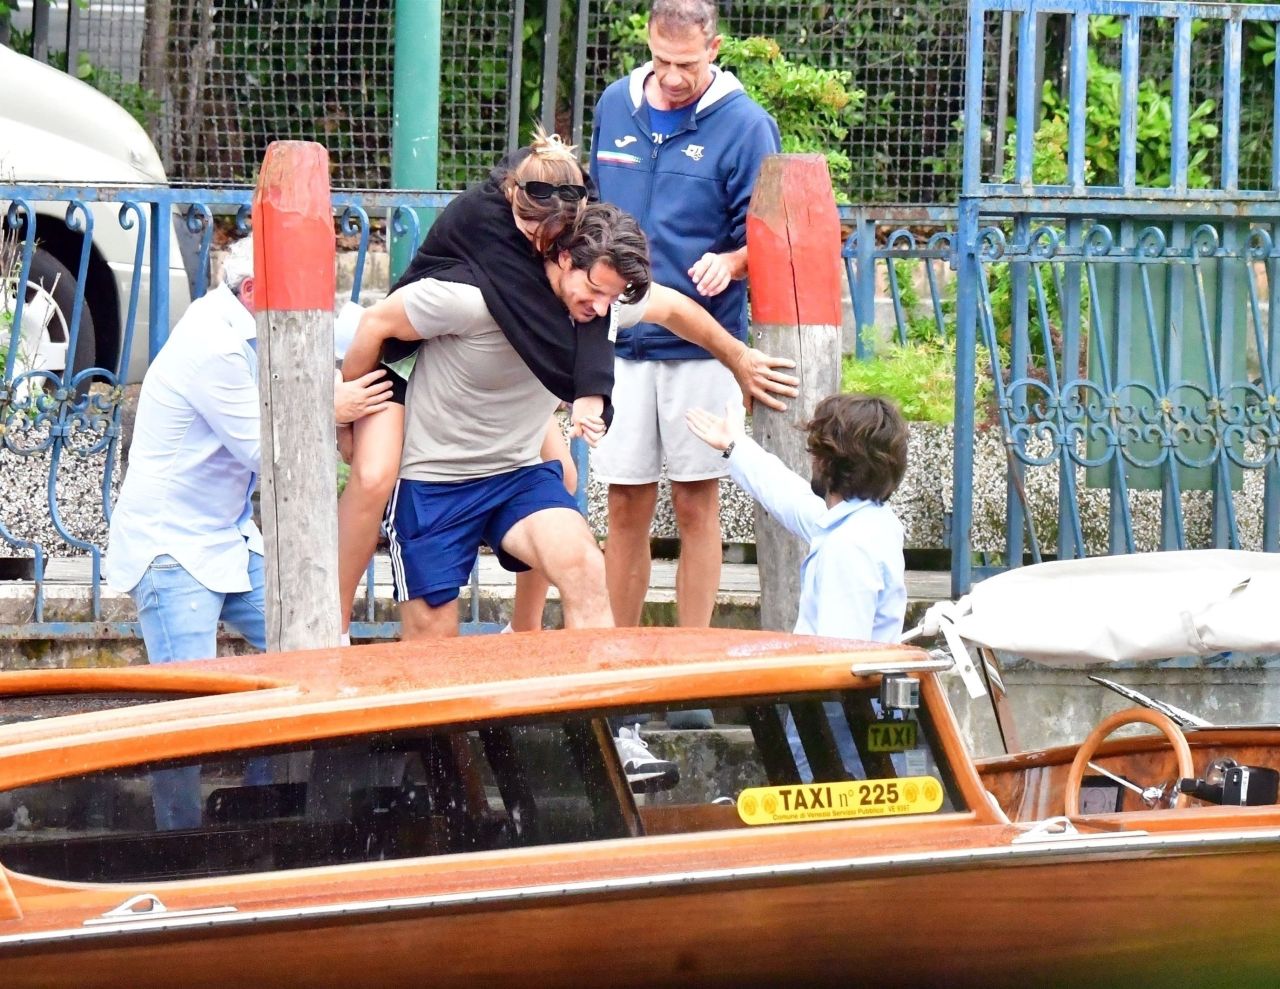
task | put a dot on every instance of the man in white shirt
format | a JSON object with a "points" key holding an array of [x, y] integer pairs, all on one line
{"points": [[183, 542]]}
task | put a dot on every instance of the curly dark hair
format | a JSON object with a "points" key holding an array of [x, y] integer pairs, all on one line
{"points": [[859, 445], [603, 232]]}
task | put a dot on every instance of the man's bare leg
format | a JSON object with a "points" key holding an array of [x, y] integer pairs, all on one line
{"points": [[557, 542], [375, 463], [626, 551], [697, 509], [531, 586], [696, 505], [418, 620]]}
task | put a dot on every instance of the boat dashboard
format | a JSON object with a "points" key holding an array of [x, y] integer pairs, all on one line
{"points": [[1140, 781]]}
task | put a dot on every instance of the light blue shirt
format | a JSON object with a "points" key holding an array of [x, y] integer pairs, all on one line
{"points": [[195, 456], [852, 582]]}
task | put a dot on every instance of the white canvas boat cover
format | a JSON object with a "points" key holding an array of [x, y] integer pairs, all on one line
{"points": [[1125, 608]]}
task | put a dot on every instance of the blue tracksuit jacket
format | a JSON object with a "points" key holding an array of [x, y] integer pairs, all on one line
{"points": [[689, 193]]}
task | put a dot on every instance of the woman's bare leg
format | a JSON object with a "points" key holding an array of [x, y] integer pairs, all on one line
{"points": [[375, 464], [531, 600], [532, 586]]}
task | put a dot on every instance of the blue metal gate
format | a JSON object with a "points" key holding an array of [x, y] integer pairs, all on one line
{"points": [[1131, 323]]}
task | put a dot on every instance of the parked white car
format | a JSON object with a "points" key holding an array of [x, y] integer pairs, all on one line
{"points": [[55, 129]]}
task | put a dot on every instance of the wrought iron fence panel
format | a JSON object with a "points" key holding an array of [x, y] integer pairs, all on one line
{"points": [[1125, 307], [903, 254], [1131, 370]]}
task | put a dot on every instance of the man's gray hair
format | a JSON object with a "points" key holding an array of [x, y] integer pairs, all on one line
{"points": [[684, 14], [237, 263]]}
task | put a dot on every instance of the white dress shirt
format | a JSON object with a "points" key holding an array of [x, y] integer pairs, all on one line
{"points": [[195, 456], [853, 581]]}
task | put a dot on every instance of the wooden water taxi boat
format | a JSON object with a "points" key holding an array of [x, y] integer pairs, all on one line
{"points": [[459, 813]]}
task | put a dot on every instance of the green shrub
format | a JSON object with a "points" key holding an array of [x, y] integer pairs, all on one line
{"points": [[920, 377], [814, 108], [1154, 120]]}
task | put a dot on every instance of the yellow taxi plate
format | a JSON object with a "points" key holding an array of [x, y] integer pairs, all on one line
{"points": [[839, 801], [891, 736]]}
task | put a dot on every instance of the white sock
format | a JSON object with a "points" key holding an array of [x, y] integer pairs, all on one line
{"points": [[344, 638], [505, 628]]}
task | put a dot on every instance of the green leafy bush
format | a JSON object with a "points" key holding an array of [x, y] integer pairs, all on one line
{"points": [[1154, 120], [920, 377], [814, 107]]}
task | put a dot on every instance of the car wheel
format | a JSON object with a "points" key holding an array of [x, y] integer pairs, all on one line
{"points": [[49, 301]]}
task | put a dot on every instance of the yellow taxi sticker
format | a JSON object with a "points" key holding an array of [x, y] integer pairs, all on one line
{"points": [[839, 801], [891, 736]]}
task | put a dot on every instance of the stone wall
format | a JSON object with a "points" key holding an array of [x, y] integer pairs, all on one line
{"points": [[923, 502]]}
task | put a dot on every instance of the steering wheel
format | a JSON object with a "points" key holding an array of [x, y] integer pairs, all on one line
{"points": [[1132, 716]]}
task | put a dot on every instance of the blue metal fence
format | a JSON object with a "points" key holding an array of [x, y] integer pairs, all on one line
{"points": [[1131, 328], [61, 402]]}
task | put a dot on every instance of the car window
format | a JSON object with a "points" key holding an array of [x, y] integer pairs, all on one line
{"points": [[477, 788]]}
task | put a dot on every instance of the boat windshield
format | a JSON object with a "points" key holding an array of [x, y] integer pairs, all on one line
{"points": [[17, 708], [783, 759]]}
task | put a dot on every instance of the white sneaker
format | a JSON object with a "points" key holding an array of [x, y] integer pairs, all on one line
{"points": [[641, 766]]}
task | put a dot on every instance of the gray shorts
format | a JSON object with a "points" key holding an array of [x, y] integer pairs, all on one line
{"points": [[650, 399]]}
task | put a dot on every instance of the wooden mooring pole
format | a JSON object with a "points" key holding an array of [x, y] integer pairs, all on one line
{"points": [[293, 263], [793, 262]]}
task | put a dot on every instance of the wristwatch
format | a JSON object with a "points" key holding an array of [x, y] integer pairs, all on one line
{"points": [[728, 450]]}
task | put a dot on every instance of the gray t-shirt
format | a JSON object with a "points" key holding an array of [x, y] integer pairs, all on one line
{"points": [[473, 409]]}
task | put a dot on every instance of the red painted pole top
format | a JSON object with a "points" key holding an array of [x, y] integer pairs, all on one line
{"points": [[793, 243], [293, 245]]}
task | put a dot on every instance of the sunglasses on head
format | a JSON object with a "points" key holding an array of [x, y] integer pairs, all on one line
{"points": [[545, 190]]}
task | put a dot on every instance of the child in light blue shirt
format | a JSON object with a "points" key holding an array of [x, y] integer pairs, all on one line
{"points": [[852, 581]]}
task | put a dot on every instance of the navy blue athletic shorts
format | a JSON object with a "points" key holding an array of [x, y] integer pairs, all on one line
{"points": [[436, 529]]}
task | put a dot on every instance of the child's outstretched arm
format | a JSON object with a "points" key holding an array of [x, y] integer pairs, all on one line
{"points": [[781, 492]]}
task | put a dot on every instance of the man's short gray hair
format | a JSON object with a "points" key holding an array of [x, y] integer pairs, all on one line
{"points": [[684, 14], [237, 263]]}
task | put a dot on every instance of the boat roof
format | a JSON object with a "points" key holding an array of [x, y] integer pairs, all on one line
{"points": [[448, 666], [1142, 606]]}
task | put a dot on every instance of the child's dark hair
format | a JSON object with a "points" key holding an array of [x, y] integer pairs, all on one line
{"points": [[860, 446]]}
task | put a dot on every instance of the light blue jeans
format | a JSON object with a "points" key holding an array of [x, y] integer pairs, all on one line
{"points": [[179, 618], [845, 744]]}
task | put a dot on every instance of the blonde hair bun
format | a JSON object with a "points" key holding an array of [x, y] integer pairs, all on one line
{"points": [[546, 145]]}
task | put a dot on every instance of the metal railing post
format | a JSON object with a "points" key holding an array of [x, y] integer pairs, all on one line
{"points": [[158, 297]]}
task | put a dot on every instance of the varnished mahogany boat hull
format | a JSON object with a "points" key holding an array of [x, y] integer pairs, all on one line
{"points": [[694, 897], [1155, 912]]}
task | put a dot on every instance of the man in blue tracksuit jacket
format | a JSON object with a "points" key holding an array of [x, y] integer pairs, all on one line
{"points": [[678, 144]]}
